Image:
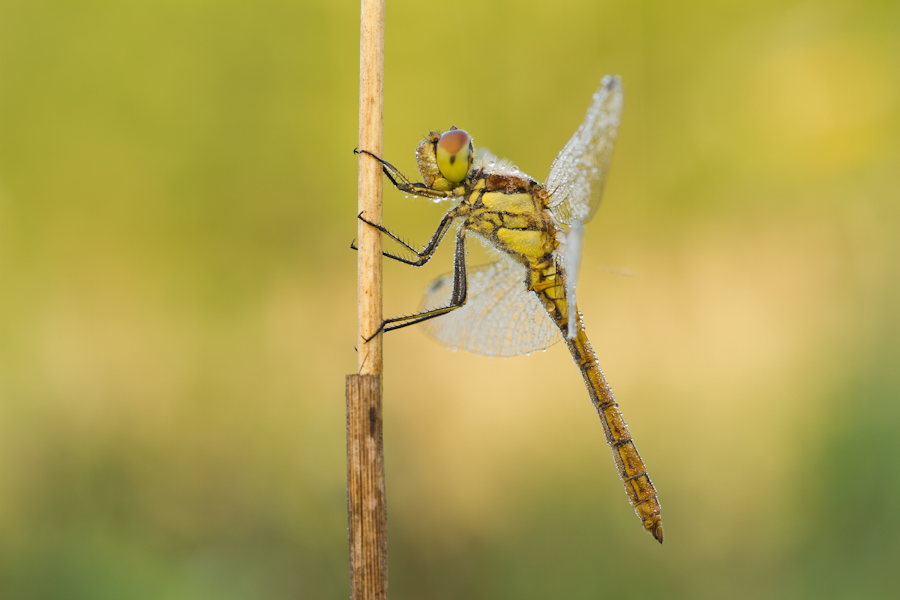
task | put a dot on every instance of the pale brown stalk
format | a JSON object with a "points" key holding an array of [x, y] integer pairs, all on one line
{"points": [[367, 508]]}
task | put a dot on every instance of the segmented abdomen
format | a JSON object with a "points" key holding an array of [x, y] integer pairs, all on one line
{"points": [[638, 486]]}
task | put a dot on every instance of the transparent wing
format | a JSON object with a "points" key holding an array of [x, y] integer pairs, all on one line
{"points": [[577, 176], [500, 317], [570, 260]]}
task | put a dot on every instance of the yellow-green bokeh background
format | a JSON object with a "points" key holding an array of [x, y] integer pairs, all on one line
{"points": [[177, 302]]}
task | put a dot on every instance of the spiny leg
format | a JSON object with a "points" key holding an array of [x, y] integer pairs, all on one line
{"points": [[404, 184], [390, 170], [457, 297], [426, 253]]}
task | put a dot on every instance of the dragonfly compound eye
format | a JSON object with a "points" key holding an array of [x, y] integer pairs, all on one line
{"points": [[454, 154]]}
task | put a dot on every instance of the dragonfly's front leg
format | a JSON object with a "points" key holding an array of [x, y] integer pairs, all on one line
{"points": [[402, 183], [457, 297]]}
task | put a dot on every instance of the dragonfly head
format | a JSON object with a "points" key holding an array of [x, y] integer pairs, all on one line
{"points": [[445, 159]]}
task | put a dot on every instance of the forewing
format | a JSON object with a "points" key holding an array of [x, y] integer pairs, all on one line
{"points": [[578, 174], [500, 317]]}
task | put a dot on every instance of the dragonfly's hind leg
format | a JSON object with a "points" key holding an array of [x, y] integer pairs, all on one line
{"points": [[457, 297]]}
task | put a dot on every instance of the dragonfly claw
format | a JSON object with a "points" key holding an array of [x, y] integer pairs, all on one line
{"points": [[377, 331]]}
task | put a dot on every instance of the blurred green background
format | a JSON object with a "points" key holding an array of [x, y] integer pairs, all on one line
{"points": [[177, 302]]}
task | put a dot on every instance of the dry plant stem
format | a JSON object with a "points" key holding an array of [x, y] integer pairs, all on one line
{"points": [[365, 487], [365, 454], [371, 125]]}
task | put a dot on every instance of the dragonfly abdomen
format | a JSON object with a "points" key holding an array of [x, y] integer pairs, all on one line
{"points": [[638, 486], [631, 468]]}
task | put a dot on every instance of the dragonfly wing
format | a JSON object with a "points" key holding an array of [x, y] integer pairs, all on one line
{"points": [[500, 317], [577, 176], [571, 261]]}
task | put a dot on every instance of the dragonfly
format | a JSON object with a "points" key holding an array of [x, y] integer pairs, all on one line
{"points": [[525, 301]]}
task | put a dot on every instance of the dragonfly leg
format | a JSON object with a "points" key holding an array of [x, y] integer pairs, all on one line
{"points": [[426, 253], [402, 183], [390, 170], [457, 297]]}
